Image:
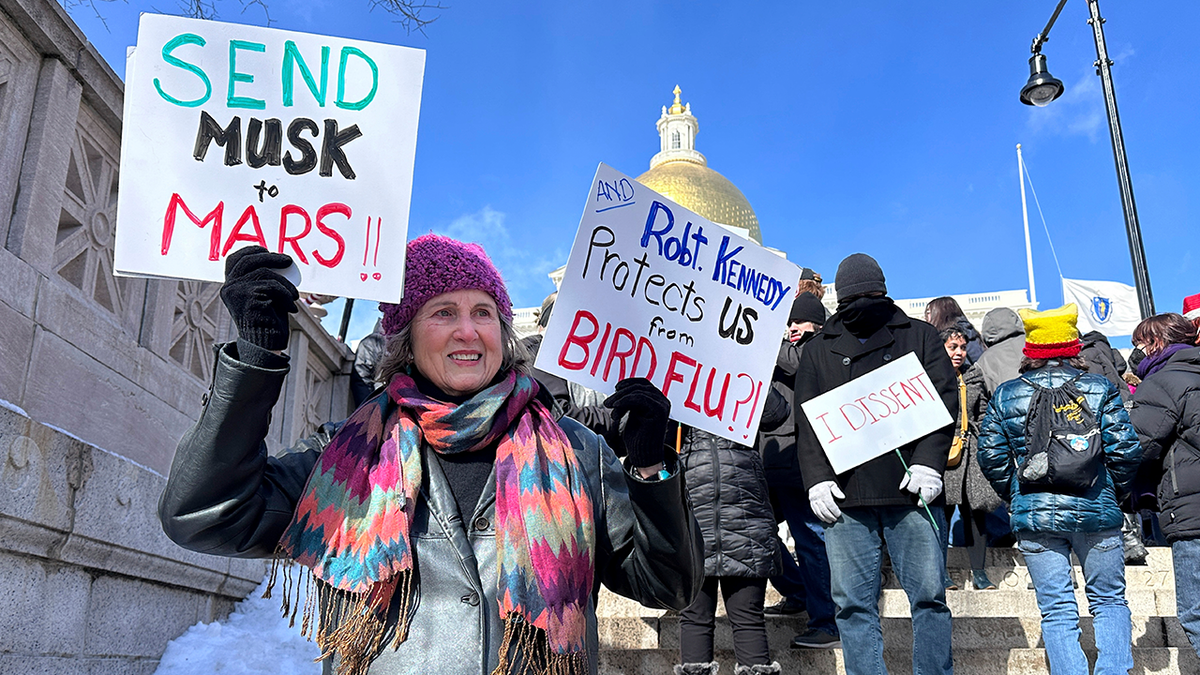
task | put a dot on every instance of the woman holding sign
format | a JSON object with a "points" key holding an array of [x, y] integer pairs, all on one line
{"points": [[453, 524]]}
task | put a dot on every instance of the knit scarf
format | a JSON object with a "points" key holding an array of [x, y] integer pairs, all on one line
{"points": [[1152, 364], [352, 524]]}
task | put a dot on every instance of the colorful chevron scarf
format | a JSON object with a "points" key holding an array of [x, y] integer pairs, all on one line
{"points": [[351, 526]]}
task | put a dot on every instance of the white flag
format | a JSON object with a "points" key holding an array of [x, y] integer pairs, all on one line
{"points": [[1107, 306]]}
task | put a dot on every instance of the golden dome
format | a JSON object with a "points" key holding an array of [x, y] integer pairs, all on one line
{"points": [[704, 191]]}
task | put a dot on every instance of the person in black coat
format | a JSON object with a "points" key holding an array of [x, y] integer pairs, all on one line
{"points": [[727, 487], [1166, 416], [879, 499]]}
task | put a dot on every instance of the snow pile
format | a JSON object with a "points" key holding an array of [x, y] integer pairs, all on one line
{"points": [[254, 640]]}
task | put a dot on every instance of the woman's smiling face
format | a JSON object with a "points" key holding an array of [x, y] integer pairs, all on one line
{"points": [[456, 341]]}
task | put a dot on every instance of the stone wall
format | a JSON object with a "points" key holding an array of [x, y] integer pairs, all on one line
{"points": [[100, 376]]}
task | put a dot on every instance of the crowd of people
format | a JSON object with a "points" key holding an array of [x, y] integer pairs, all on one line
{"points": [[464, 517]]}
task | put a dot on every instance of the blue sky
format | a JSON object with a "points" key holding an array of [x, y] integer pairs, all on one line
{"points": [[883, 127]]}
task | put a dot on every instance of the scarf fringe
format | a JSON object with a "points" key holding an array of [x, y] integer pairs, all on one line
{"points": [[351, 626], [530, 646]]}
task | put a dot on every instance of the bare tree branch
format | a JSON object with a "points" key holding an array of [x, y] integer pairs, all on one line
{"points": [[408, 13], [411, 14]]}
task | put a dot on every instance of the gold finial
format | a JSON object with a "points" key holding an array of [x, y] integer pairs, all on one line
{"points": [[676, 107]]}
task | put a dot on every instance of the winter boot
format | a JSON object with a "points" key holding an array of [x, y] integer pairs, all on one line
{"points": [[698, 668], [772, 668]]}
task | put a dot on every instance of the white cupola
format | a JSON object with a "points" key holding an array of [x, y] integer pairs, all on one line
{"points": [[677, 130]]}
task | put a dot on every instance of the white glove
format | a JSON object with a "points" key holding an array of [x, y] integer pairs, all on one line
{"points": [[923, 482], [822, 496]]}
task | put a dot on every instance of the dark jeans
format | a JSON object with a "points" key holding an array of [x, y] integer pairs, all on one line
{"points": [[744, 607], [805, 578], [974, 533], [855, 543]]}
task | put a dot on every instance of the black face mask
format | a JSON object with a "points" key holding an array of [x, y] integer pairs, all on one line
{"points": [[864, 316]]}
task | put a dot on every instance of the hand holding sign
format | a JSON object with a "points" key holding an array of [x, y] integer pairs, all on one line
{"points": [[642, 413], [923, 482], [259, 298]]}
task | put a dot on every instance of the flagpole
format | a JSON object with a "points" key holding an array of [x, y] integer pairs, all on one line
{"points": [[1025, 216]]}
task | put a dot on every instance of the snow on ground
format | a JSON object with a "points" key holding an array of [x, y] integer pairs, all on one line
{"points": [[254, 640]]}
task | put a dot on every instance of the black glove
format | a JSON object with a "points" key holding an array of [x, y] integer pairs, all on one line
{"points": [[642, 411], [259, 298]]}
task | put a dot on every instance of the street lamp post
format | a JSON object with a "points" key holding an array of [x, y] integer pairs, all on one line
{"points": [[1042, 88]]}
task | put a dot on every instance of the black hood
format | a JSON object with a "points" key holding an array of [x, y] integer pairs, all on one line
{"points": [[1186, 360]]}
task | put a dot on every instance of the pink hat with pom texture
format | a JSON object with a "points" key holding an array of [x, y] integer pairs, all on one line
{"points": [[435, 265]]}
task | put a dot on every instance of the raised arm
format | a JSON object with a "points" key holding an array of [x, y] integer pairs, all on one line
{"points": [[224, 495]]}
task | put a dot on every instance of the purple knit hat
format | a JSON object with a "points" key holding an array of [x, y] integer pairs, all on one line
{"points": [[435, 265]]}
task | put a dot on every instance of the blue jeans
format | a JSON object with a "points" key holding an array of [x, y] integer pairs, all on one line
{"points": [[855, 544], [1186, 557], [1048, 557], [805, 577]]}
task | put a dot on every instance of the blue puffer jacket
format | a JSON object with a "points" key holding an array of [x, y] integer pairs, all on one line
{"points": [[1002, 449]]}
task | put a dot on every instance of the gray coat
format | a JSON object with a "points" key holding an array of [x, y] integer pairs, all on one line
{"points": [[1004, 334], [225, 496]]}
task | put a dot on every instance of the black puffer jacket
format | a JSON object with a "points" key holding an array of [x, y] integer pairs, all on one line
{"points": [[1166, 416], [728, 491]]}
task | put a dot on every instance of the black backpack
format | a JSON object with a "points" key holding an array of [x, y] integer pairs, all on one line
{"points": [[1063, 449]]}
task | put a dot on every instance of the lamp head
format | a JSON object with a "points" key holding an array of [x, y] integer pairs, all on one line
{"points": [[1042, 87]]}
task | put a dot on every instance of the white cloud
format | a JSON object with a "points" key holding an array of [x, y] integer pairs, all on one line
{"points": [[1080, 110], [523, 264]]}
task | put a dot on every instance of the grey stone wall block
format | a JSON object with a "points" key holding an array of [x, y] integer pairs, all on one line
{"points": [[18, 283], [18, 74], [35, 481], [71, 390], [31, 233], [116, 529], [45, 607], [128, 617], [174, 386], [64, 311], [37, 664], [121, 666], [16, 334]]}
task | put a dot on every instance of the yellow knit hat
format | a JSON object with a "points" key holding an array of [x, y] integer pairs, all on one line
{"points": [[1051, 334]]}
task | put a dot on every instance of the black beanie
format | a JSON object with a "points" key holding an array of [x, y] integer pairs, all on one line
{"points": [[858, 274], [806, 307]]}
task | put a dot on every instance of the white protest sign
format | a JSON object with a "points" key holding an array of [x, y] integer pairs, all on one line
{"points": [[653, 290], [237, 135], [876, 413]]}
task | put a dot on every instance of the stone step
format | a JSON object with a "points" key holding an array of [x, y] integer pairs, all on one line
{"points": [[1005, 602], [967, 633], [1159, 558], [1152, 661]]}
